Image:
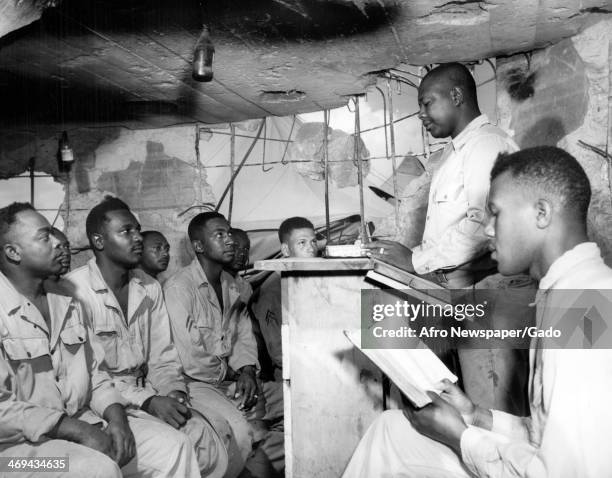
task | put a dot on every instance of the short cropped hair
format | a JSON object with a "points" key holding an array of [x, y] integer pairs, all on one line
{"points": [[291, 224], [200, 221], [458, 75], [550, 170], [146, 234], [8, 215], [241, 233], [97, 216]]}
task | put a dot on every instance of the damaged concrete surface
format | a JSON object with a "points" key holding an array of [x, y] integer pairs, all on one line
{"points": [[130, 62]]}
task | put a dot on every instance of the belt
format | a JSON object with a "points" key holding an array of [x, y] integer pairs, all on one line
{"points": [[139, 374]]}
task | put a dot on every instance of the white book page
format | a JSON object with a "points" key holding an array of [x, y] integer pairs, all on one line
{"points": [[414, 371]]}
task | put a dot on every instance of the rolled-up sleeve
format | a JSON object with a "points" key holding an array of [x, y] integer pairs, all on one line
{"points": [[198, 363], [165, 372], [20, 420]]}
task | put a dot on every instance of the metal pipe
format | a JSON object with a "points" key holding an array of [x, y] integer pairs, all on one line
{"points": [[357, 158], [393, 160], [424, 134], [233, 178], [32, 163], [232, 159], [326, 166]]}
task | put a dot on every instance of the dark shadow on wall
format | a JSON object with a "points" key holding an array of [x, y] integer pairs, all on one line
{"points": [[547, 131]]}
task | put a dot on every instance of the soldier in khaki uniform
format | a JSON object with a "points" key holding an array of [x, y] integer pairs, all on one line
{"points": [[52, 394], [130, 320], [214, 338]]}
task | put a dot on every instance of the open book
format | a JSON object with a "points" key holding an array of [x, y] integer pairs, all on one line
{"points": [[413, 370]]}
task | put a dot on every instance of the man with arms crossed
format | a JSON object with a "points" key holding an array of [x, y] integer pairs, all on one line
{"points": [[539, 200]]}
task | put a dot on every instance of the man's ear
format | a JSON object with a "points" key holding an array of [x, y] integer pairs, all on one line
{"points": [[197, 245], [97, 241], [285, 250], [12, 252], [456, 94], [544, 212]]}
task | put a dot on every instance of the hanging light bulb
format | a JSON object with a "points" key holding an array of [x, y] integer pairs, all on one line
{"points": [[203, 55], [65, 151]]}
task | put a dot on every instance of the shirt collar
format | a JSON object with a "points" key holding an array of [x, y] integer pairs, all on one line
{"points": [[10, 299], [98, 283], [565, 264], [197, 273], [473, 125]]}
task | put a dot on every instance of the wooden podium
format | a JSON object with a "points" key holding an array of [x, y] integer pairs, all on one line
{"points": [[332, 392]]}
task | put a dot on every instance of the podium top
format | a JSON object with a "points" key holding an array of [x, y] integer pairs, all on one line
{"points": [[290, 264]]}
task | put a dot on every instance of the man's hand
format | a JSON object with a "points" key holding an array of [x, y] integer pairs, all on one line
{"points": [[439, 421], [167, 409], [180, 397], [81, 432], [391, 252], [455, 396], [121, 435], [246, 388]]}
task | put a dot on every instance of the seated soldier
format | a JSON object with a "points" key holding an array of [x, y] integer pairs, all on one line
{"points": [[52, 393], [155, 253], [214, 339], [129, 317], [297, 238], [64, 247], [242, 247], [538, 201]]}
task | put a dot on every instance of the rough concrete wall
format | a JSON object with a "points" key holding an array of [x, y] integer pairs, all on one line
{"points": [[153, 171], [560, 96], [309, 153]]}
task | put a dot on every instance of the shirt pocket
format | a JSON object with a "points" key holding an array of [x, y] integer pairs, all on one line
{"points": [[19, 349], [73, 336], [109, 339], [450, 202], [27, 356], [206, 337]]}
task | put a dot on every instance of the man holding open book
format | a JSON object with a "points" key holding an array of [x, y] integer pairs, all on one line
{"points": [[538, 201]]}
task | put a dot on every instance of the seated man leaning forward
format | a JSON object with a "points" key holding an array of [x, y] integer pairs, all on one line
{"points": [[129, 318], [213, 334], [297, 238], [539, 200], [155, 253], [54, 400]]}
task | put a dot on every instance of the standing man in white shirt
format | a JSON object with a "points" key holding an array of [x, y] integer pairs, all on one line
{"points": [[453, 252], [454, 247], [539, 200]]}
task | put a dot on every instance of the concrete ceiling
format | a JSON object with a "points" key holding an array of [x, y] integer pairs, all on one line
{"points": [[129, 61]]}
